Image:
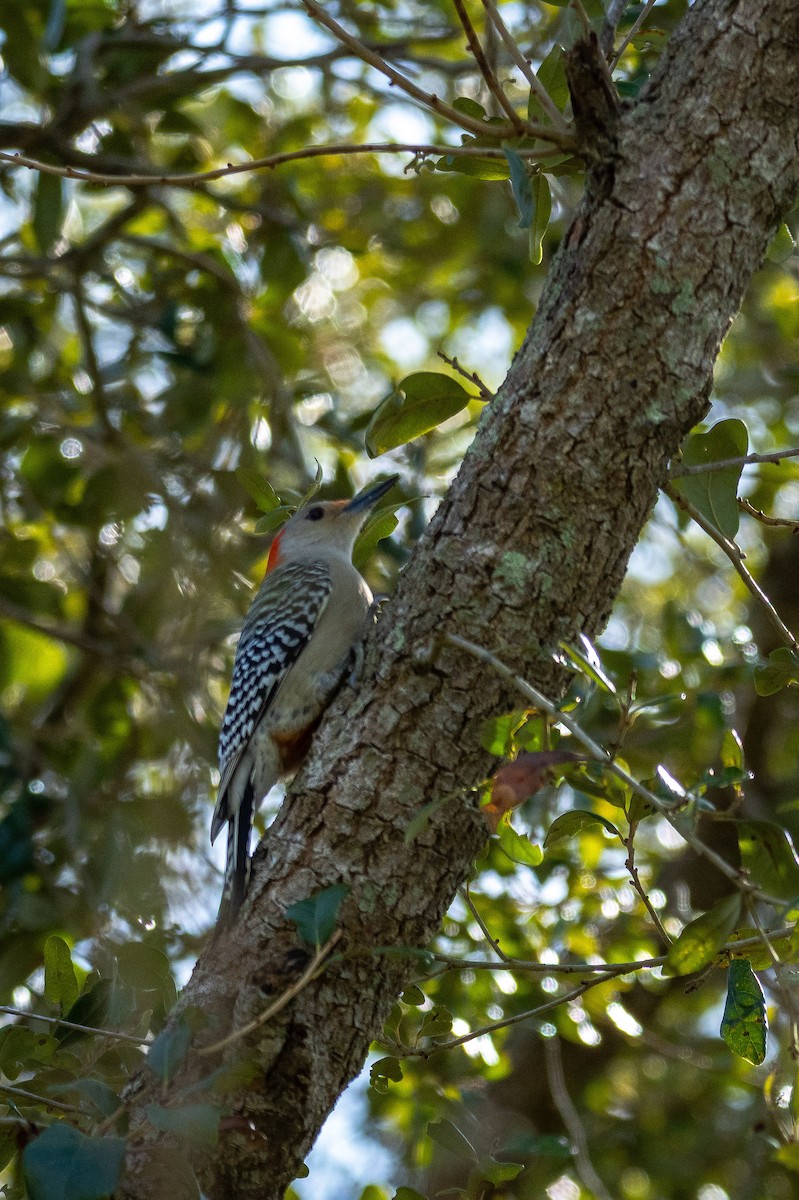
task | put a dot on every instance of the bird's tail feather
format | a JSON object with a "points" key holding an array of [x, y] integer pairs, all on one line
{"points": [[237, 866]]}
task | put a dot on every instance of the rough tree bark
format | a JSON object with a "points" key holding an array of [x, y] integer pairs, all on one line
{"points": [[529, 546]]}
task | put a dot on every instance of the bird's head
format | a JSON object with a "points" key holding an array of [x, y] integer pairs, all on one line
{"points": [[332, 525]]}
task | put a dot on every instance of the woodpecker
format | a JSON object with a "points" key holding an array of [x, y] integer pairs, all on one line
{"points": [[295, 647]]}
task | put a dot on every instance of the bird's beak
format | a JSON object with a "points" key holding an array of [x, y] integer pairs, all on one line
{"points": [[370, 497]]}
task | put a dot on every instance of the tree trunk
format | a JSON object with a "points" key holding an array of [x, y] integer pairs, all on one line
{"points": [[686, 187]]}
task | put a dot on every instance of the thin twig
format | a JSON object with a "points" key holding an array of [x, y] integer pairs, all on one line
{"points": [[485, 392], [10, 1122], [614, 62], [504, 1023], [604, 974], [629, 842], [426, 99], [613, 15], [743, 460], [583, 968], [601, 755], [571, 1119], [776, 522], [493, 943], [278, 1005], [484, 66], [582, 15], [588, 33], [122, 1037], [736, 558], [107, 179], [536, 86], [22, 1094]]}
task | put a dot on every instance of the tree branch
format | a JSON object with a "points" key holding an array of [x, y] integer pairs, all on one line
{"points": [[744, 460], [538, 89], [191, 179], [484, 66]]}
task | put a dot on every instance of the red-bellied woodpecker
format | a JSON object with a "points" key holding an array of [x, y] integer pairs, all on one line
{"points": [[294, 650]]}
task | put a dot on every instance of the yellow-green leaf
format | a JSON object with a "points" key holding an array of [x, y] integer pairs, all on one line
{"points": [[781, 670], [420, 403], [701, 940], [715, 492], [571, 823], [542, 211], [744, 1025], [517, 846], [60, 983], [768, 855]]}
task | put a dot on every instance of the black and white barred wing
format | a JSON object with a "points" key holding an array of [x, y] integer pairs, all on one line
{"points": [[278, 627]]}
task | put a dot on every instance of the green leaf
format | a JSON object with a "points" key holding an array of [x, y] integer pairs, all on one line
{"points": [[782, 245], [169, 1049], [274, 519], [769, 857], [496, 733], [701, 940], [314, 487], [48, 211], [517, 846], [744, 1025], [379, 526], [382, 1071], [639, 808], [420, 403], [490, 1169], [109, 1001], [607, 787], [143, 967], [715, 493], [588, 663], [470, 108], [450, 1137], [781, 670], [20, 1048], [64, 1164], [315, 917], [259, 489], [413, 995], [761, 957], [542, 211], [569, 824], [406, 1193], [552, 76], [60, 983], [197, 1123], [436, 1023], [732, 751], [522, 186], [98, 1094], [549, 1145], [489, 169]]}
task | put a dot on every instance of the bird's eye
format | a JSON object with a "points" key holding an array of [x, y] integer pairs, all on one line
{"points": [[315, 514]]}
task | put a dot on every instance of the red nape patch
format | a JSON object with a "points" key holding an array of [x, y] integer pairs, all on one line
{"points": [[275, 556]]}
